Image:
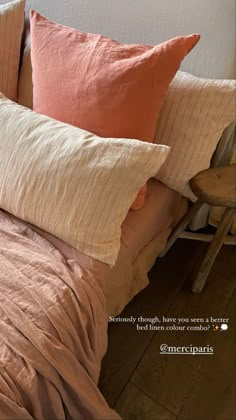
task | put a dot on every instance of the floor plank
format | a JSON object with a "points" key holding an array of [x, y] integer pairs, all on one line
{"points": [[213, 393], [168, 379], [134, 404], [126, 344]]}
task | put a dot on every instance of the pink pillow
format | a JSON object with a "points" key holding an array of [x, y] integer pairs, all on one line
{"points": [[101, 85]]}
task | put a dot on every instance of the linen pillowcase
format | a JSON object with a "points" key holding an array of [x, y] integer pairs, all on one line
{"points": [[11, 28], [99, 84], [69, 182], [193, 117]]}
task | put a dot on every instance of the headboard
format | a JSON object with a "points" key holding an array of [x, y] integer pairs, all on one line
{"points": [[153, 21]]}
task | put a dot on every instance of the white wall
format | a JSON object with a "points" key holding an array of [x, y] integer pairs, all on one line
{"points": [[153, 21]]}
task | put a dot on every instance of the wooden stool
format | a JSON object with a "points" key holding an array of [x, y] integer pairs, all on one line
{"points": [[216, 187]]}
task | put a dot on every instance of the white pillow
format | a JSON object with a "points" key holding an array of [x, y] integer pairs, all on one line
{"points": [[195, 113], [69, 182], [11, 28]]}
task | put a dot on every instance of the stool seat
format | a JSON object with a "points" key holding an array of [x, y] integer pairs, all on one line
{"points": [[216, 186]]}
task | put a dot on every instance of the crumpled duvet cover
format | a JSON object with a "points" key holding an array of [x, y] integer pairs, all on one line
{"points": [[53, 331]]}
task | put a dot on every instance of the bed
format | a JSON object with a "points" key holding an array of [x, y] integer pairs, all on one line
{"points": [[55, 300], [55, 303]]}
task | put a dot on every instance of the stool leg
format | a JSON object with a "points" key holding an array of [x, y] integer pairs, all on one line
{"points": [[213, 250], [180, 227]]}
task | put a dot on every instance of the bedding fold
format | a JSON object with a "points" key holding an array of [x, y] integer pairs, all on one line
{"points": [[53, 331]]}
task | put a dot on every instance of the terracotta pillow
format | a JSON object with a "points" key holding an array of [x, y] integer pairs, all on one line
{"points": [[11, 28], [99, 84]]}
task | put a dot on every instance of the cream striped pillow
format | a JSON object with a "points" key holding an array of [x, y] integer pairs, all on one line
{"points": [[11, 28], [195, 113], [69, 182]]}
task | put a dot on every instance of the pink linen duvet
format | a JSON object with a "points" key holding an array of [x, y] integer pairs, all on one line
{"points": [[53, 331]]}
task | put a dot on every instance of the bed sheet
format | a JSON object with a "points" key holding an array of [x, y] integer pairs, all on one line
{"points": [[53, 331]]}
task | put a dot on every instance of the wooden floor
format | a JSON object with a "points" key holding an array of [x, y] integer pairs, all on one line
{"points": [[138, 381]]}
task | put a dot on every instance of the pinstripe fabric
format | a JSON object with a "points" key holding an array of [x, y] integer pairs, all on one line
{"points": [[195, 113], [69, 182], [11, 27]]}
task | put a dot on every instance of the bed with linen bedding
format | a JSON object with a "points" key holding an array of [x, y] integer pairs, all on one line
{"points": [[55, 303], [89, 193], [56, 298]]}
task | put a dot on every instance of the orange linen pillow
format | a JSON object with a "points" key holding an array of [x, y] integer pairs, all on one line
{"points": [[101, 85]]}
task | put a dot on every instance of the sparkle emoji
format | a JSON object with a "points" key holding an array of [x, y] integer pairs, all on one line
{"points": [[215, 327]]}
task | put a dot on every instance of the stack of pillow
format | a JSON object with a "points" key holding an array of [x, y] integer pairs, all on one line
{"points": [[80, 185]]}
